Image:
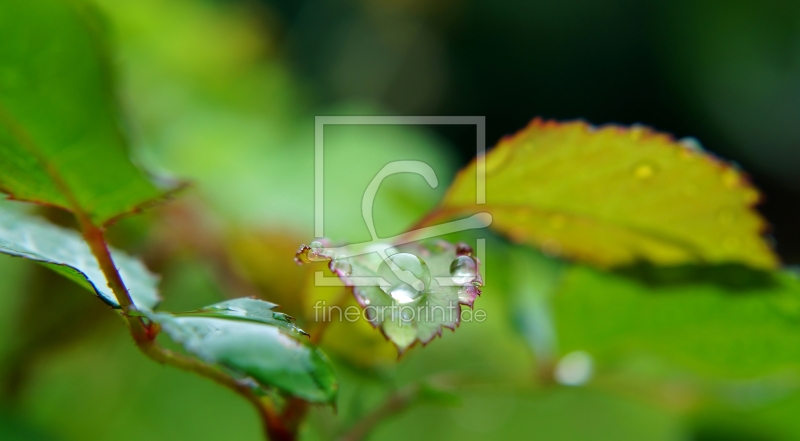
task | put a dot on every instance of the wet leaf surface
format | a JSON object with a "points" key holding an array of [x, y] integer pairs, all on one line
{"points": [[247, 309], [65, 252], [259, 346], [411, 292]]}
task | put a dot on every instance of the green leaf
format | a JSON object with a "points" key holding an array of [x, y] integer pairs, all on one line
{"points": [[612, 196], [248, 309], [65, 252], [404, 314], [747, 328], [61, 137], [254, 347]]}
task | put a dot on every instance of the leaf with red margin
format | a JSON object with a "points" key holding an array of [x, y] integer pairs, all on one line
{"points": [[614, 195], [438, 306], [61, 138]]}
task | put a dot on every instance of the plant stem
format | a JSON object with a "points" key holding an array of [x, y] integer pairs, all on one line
{"points": [[95, 238], [144, 335], [283, 426]]}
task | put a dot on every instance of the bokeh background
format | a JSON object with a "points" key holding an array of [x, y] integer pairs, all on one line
{"points": [[224, 93]]}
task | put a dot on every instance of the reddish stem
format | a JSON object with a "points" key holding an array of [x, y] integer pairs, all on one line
{"points": [[144, 334]]}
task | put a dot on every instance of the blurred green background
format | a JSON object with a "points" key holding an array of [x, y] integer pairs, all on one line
{"points": [[224, 93]]}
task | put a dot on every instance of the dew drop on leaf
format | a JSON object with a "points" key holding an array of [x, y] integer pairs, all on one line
{"points": [[343, 266], [315, 253], [464, 270], [407, 268], [404, 293], [237, 309], [644, 170], [691, 143], [636, 132]]}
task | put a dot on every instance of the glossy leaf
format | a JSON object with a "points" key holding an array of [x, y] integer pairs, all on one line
{"points": [[613, 195], [747, 328], [409, 315], [61, 137], [248, 309], [65, 252], [254, 347]]}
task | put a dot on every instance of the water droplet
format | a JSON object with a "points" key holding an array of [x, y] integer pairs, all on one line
{"points": [[237, 310], [407, 268], [463, 270], [644, 170], [407, 314], [636, 132], [342, 265], [691, 143], [362, 299], [468, 293], [404, 293], [574, 369], [360, 293], [316, 251]]}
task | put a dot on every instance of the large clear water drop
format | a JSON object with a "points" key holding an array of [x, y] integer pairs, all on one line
{"points": [[463, 270], [644, 170], [404, 293], [343, 266], [406, 268], [316, 252]]}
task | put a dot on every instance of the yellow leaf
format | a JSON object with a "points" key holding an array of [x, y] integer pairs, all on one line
{"points": [[614, 195]]}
